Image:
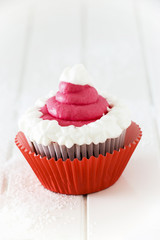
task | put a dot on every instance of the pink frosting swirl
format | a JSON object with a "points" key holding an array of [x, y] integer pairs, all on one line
{"points": [[75, 105]]}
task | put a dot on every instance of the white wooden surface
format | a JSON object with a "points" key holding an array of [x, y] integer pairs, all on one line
{"points": [[118, 41]]}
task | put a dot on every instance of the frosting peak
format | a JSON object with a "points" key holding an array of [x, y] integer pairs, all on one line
{"points": [[76, 75], [77, 102]]}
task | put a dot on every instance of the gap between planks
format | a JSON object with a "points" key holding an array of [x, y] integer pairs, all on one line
{"points": [[3, 184], [84, 16], [85, 217]]}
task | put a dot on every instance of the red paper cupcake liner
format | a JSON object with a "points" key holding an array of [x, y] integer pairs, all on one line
{"points": [[85, 176]]}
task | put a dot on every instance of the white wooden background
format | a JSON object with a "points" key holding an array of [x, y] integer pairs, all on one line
{"points": [[119, 42]]}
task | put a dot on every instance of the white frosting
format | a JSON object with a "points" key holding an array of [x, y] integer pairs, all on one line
{"points": [[76, 75], [44, 132]]}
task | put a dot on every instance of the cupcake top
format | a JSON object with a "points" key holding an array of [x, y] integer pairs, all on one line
{"points": [[76, 114], [77, 102]]}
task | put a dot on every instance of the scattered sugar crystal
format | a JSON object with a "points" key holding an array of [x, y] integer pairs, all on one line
{"points": [[27, 208]]}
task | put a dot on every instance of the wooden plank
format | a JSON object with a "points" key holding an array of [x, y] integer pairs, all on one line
{"points": [[113, 51], [13, 30], [148, 18], [32, 212], [54, 42], [129, 209]]}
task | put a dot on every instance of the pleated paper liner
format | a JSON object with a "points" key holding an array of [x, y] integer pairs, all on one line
{"points": [[78, 151], [85, 176]]}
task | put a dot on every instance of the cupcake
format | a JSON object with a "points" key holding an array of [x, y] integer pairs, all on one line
{"points": [[77, 140]]}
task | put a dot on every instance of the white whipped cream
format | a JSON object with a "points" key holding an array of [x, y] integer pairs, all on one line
{"points": [[44, 132], [76, 75]]}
